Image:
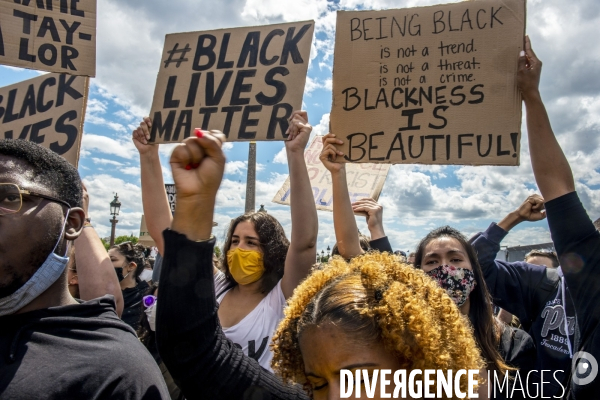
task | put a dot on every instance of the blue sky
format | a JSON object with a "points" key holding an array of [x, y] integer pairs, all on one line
{"points": [[416, 199]]}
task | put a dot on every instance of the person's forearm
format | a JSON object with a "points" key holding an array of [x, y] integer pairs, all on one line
{"points": [[550, 166], [303, 242], [377, 232], [95, 272], [510, 221], [154, 198], [344, 222], [305, 225], [194, 217]]}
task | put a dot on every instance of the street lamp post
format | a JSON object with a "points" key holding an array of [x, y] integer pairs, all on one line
{"points": [[115, 207]]}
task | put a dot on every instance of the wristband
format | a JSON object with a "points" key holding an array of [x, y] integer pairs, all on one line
{"points": [[206, 240]]}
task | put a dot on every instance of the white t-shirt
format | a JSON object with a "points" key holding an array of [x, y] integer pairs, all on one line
{"points": [[254, 333]]}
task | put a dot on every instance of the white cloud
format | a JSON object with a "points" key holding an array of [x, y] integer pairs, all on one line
{"points": [[131, 171], [105, 161], [236, 167], [102, 188], [118, 147]]}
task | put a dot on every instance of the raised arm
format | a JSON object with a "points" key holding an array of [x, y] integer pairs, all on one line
{"points": [[550, 167], [531, 210], [305, 225], [514, 285], [190, 340], [373, 212], [154, 198], [95, 273], [344, 223]]}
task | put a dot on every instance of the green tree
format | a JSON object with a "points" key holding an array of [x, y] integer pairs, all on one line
{"points": [[123, 239], [119, 240], [217, 252]]}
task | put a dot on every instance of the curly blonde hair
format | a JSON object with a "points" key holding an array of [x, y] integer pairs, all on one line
{"points": [[375, 297]]}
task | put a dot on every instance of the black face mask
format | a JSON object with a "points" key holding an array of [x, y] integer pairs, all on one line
{"points": [[119, 272]]}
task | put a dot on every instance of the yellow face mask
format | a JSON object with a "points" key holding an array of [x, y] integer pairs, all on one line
{"points": [[245, 266]]}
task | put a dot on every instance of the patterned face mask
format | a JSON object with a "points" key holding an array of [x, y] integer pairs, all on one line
{"points": [[457, 282]]}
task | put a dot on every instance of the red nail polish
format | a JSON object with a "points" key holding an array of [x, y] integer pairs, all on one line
{"points": [[199, 133], [188, 167]]}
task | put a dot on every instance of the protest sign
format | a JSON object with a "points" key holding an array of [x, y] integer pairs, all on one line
{"points": [[48, 110], [364, 180], [145, 239], [244, 82], [171, 196], [429, 85], [49, 35]]}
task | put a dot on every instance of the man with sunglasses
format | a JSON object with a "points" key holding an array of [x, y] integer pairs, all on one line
{"points": [[52, 346]]}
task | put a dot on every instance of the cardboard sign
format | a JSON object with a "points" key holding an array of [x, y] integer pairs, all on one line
{"points": [[244, 82], [364, 180], [171, 196], [49, 35], [145, 239], [430, 85], [48, 110]]}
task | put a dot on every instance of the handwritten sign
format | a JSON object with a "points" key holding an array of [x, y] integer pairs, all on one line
{"points": [[49, 35], [48, 110], [364, 180], [430, 85], [244, 82], [171, 196], [145, 239]]}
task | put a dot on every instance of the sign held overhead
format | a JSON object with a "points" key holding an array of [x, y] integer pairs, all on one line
{"points": [[244, 82], [429, 85], [364, 180], [49, 35], [48, 110]]}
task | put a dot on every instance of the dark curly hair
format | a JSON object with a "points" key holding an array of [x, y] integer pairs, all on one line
{"points": [[273, 243], [133, 253], [487, 329], [49, 169]]}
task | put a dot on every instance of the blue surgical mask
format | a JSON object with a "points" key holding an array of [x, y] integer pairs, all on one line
{"points": [[44, 277]]}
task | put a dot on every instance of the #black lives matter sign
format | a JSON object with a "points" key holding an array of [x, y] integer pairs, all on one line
{"points": [[48, 110], [49, 35], [430, 85], [244, 82]]}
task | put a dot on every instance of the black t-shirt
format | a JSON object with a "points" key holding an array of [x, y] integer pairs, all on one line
{"points": [[80, 351], [132, 303], [577, 244]]}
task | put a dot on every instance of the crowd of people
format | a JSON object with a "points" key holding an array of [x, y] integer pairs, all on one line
{"points": [[264, 321]]}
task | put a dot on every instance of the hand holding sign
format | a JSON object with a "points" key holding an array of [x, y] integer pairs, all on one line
{"points": [[530, 70], [140, 138], [329, 154], [374, 215]]}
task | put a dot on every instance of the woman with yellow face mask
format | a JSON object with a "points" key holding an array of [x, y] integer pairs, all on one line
{"points": [[261, 268]]}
